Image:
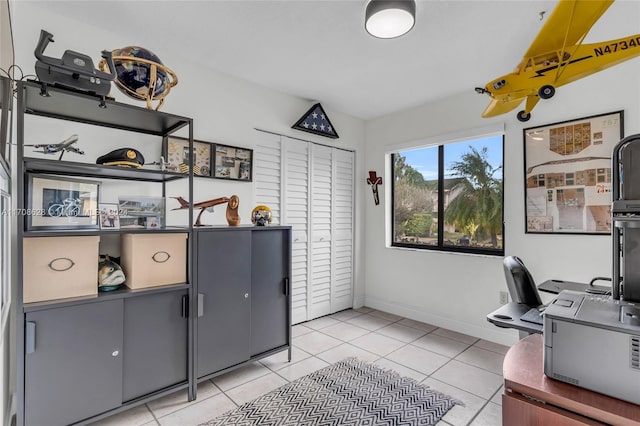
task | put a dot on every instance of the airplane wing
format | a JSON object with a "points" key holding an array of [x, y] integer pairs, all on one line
{"points": [[578, 15], [498, 107], [74, 149]]}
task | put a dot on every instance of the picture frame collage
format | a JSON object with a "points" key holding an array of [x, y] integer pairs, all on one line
{"points": [[211, 159], [568, 174]]}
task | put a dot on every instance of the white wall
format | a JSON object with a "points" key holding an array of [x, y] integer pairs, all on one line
{"points": [[458, 290]]}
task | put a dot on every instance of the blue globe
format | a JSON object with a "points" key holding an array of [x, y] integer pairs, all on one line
{"points": [[133, 77]]}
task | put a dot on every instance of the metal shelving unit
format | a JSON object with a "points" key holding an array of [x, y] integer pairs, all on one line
{"points": [[56, 103]]}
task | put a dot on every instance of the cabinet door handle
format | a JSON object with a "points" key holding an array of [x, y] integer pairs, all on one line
{"points": [[200, 305], [185, 306], [285, 290], [246, 295], [30, 338]]}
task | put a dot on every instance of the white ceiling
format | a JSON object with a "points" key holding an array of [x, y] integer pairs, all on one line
{"points": [[319, 50]]}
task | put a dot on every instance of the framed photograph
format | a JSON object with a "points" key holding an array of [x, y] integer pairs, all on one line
{"points": [[55, 202], [233, 163], [568, 175], [152, 222], [109, 217], [176, 153], [135, 210]]}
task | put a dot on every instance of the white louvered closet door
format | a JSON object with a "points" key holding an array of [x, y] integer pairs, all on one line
{"points": [[319, 298], [295, 167], [310, 187], [342, 231], [267, 178]]}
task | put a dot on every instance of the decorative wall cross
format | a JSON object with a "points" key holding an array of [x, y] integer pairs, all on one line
{"points": [[374, 181]]}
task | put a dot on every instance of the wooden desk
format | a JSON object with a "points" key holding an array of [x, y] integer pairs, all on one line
{"points": [[530, 398]]}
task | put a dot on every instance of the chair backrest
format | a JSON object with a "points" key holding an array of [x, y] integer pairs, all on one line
{"points": [[522, 287]]}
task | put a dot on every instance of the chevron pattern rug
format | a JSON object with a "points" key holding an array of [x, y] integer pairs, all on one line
{"points": [[350, 392]]}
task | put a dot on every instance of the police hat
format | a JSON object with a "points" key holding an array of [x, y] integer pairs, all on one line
{"points": [[124, 157]]}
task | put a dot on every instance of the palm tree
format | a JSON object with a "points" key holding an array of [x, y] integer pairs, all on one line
{"points": [[479, 203], [412, 200]]}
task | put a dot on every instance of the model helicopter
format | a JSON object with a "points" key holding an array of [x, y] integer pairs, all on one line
{"points": [[62, 147], [203, 205], [557, 57]]}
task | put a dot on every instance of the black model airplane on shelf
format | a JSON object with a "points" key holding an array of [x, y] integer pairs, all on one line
{"points": [[62, 147]]}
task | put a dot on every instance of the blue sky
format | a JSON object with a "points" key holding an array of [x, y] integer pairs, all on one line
{"points": [[425, 160]]}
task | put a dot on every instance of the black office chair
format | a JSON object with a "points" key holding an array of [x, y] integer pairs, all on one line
{"points": [[522, 287]]}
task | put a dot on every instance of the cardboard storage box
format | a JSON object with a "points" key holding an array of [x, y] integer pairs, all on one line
{"points": [[150, 260], [59, 267]]}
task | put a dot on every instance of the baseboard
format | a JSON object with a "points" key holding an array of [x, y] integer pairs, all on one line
{"points": [[358, 302], [502, 336]]}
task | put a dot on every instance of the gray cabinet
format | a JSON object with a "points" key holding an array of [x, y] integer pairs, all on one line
{"points": [[269, 290], [155, 338], [73, 362], [242, 279], [224, 309], [85, 359]]}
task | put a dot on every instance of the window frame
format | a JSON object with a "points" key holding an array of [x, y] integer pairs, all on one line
{"points": [[440, 247]]}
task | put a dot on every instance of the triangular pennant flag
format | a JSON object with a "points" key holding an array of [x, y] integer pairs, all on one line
{"points": [[316, 121]]}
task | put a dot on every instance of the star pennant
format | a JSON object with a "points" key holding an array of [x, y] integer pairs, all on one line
{"points": [[316, 121]]}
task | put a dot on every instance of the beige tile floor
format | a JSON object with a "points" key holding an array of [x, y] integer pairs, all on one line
{"points": [[462, 366]]}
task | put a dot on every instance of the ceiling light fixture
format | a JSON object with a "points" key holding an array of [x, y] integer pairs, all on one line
{"points": [[390, 18]]}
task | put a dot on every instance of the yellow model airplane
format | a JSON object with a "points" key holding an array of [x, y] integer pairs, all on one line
{"points": [[557, 57]]}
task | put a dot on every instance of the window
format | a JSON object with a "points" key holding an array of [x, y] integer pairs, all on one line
{"points": [[449, 197]]}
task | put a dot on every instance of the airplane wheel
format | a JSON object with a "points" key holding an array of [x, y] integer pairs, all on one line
{"points": [[523, 116], [546, 92]]}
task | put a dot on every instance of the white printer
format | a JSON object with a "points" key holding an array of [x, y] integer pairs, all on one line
{"points": [[594, 342]]}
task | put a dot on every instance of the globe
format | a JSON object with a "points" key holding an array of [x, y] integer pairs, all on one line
{"points": [[134, 68]]}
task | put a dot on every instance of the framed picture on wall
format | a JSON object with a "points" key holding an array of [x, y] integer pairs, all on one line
{"points": [[233, 163], [176, 152], [568, 175]]}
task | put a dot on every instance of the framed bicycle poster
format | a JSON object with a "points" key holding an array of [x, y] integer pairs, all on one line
{"points": [[55, 202]]}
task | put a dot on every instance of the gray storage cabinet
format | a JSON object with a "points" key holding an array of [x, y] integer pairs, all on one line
{"points": [[155, 338], [224, 309], [269, 289], [73, 362], [79, 359], [242, 277]]}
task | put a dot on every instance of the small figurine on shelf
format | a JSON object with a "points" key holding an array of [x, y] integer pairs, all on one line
{"points": [[261, 216], [232, 211], [110, 274]]}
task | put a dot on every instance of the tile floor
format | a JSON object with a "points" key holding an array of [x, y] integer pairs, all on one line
{"points": [[462, 366]]}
